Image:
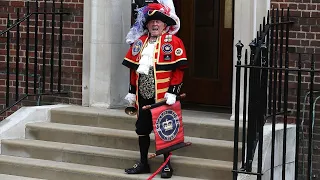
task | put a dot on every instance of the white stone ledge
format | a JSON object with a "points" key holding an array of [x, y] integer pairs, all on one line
{"points": [[13, 127], [266, 155]]}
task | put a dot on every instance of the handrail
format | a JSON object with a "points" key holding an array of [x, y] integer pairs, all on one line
{"points": [[15, 24], [28, 95], [26, 17], [9, 107]]}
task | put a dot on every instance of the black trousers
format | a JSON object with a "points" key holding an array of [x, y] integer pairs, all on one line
{"points": [[144, 121], [144, 127]]}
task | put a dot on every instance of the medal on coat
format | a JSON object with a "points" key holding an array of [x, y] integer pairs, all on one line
{"points": [[167, 48], [167, 57], [178, 52], [168, 38], [136, 47]]}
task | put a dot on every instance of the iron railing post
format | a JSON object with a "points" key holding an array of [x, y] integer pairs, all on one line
{"points": [[262, 106], [280, 61], [239, 46], [17, 55], [44, 47], [271, 55], [286, 89], [52, 44], [8, 64], [60, 47], [274, 100], [251, 110], [244, 119], [27, 50], [35, 76], [311, 119], [298, 121]]}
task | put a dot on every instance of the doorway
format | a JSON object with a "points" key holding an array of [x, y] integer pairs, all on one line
{"points": [[207, 33]]}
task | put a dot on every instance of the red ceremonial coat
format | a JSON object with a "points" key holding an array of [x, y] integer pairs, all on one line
{"points": [[169, 61]]}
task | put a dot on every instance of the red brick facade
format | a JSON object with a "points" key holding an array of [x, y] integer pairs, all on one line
{"points": [[304, 38], [304, 35], [71, 52]]}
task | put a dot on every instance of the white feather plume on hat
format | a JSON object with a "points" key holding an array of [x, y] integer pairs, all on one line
{"points": [[137, 30]]}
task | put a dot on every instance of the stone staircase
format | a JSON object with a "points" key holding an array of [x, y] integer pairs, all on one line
{"points": [[88, 143]]}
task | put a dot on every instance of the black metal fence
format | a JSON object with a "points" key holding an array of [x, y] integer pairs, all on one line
{"points": [[269, 75], [42, 51]]}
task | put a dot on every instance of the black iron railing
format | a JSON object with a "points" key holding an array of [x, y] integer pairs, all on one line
{"points": [[35, 81], [265, 75]]}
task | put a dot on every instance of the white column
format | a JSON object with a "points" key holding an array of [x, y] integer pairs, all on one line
{"points": [[248, 17], [105, 80], [243, 21], [86, 53]]}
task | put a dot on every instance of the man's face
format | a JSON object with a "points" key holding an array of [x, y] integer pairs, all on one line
{"points": [[156, 27]]}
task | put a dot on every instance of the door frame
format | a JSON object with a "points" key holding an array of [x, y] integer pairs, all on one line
{"points": [[225, 51]]}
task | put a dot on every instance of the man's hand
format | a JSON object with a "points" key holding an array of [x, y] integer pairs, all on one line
{"points": [[171, 98], [131, 98]]}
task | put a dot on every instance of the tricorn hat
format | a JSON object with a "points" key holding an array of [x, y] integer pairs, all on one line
{"points": [[163, 10], [160, 12]]}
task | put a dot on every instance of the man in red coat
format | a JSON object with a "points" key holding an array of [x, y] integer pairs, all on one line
{"points": [[156, 61]]}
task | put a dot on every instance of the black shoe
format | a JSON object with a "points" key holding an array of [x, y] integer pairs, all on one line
{"points": [[167, 171], [138, 168]]}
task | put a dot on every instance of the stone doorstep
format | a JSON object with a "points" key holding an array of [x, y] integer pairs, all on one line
{"points": [[113, 158], [123, 139], [188, 115], [78, 141], [12, 177], [196, 124], [66, 171]]}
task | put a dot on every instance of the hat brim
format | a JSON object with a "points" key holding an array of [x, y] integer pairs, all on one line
{"points": [[156, 15]]}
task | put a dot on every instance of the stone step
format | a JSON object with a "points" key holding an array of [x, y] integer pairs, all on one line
{"points": [[114, 158], [123, 139], [196, 124], [11, 177], [52, 170]]}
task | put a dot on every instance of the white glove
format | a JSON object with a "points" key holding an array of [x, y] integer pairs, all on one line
{"points": [[131, 98], [171, 98]]}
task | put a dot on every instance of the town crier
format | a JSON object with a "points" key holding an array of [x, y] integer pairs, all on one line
{"points": [[156, 61]]}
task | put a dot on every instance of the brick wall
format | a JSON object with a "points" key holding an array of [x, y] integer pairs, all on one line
{"points": [[71, 51], [304, 38], [305, 34]]}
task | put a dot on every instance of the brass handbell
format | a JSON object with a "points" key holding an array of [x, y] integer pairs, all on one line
{"points": [[131, 110]]}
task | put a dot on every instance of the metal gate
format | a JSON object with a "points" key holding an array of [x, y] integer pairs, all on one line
{"points": [[33, 58], [264, 73]]}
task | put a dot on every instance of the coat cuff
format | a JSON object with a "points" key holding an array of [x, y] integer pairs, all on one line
{"points": [[132, 89], [174, 89]]}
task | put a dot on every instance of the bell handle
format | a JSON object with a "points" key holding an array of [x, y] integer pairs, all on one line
{"points": [[151, 106]]}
